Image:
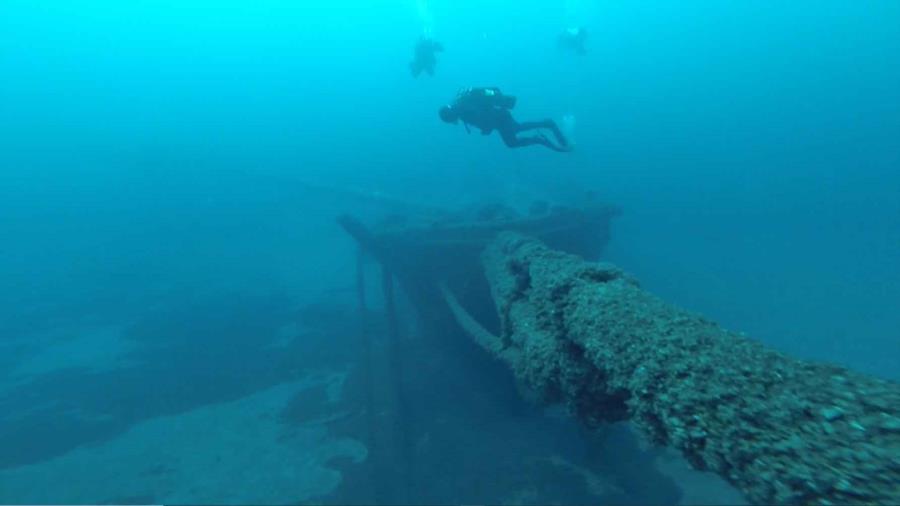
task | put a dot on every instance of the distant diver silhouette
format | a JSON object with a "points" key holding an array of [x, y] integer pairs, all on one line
{"points": [[424, 57], [573, 40]]}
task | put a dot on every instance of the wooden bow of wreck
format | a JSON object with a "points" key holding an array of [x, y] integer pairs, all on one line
{"points": [[781, 430], [426, 251], [445, 249]]}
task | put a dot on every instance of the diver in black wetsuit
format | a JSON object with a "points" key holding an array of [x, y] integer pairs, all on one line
{"points": [[488, 109], [424, 57]]}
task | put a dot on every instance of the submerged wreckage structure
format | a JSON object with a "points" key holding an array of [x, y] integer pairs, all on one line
{"points": [[779, 429]]}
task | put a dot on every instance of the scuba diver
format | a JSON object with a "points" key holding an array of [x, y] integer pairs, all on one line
{"points": [[424, 56], [488, 109], [573, 39]]}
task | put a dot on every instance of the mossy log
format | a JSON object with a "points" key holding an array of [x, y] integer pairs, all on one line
{"points": [[780, 429]]}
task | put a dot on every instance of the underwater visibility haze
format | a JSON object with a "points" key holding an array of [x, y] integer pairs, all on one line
{"points": [[181, 318]]}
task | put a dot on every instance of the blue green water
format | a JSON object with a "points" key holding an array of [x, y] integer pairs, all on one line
{"points": [[172, 170]]}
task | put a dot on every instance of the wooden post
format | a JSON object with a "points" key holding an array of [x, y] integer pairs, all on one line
{"points": [[375, 458], [401, 426]]}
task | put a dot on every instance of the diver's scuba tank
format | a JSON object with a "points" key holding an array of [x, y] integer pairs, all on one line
{"points": [[506, 101], [498, 99], [491, 97]]}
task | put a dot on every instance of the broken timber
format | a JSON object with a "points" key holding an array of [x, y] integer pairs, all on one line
{"points": [[781, 430]]}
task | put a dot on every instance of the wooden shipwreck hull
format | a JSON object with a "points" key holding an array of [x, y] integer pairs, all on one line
{"points": [[445, 250], [781, 430]]}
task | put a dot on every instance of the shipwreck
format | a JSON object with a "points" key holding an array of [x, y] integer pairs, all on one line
{"points": [[585, 334]]}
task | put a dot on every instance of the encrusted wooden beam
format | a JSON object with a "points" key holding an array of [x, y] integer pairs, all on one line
{"points": [[780, 429]]}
